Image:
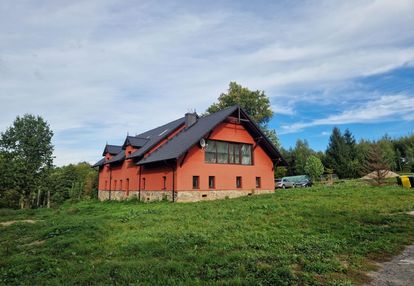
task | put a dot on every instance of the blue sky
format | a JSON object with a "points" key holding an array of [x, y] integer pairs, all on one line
{"points": [[98, 69]]}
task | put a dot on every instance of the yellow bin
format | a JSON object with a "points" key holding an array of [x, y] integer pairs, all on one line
{"points": [[405, 181]]}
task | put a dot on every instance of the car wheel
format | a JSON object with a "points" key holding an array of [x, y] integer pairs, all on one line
{"points": [[283, 187]]}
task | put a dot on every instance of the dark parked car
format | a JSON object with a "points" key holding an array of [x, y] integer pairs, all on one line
{"points": [[303, 183]]}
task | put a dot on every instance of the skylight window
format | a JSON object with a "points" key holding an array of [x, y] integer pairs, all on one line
{"points": [[163, 132]]}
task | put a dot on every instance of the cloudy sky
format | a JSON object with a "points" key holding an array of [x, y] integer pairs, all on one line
{"points": [[98, 69]]}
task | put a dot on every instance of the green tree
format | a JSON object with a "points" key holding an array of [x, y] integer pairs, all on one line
{"points": [[301, 153], [362, 151], [28, 150], [9, 198], [314, 167], [388, 150], [73, 181], [378, 163], [255, 103], [337, 157]]}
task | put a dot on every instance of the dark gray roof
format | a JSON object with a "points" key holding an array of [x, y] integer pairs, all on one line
{"points": [[134, 141], [112, 149], [187, 138], [117, 158], [99, 163], [154, 136]]}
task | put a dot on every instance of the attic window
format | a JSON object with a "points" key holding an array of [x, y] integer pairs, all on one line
{"points": [[163, 132]]}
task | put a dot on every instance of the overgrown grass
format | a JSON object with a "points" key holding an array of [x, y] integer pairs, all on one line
{"points": [[317, 236]]}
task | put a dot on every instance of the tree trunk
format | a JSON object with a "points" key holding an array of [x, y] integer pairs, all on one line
{"points": [[48, 199], [38, 198], [25, 203]]}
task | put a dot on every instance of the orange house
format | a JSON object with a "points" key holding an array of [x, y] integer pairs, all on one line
{"points": [[221, 155]]}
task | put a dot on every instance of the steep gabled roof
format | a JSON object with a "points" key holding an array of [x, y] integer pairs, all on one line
{"points": [[111, 149], [117, 158], [187, 138], [156, 135], [134, 141], [99, 163]]}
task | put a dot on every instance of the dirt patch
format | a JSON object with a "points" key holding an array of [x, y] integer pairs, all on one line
{"points": [[398, 272], [10, 222], [36, 243]]}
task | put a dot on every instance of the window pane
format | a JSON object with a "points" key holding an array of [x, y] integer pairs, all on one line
{"points": [[237, 153], [258, 182], [211, 183], [238, 182], [222, 152], [246, 154], [195, 182], [210, 152]]}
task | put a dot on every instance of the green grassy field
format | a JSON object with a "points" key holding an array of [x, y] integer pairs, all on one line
{"points": [[317, 236]]}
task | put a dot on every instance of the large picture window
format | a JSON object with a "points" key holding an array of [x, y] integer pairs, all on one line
{"points": [[228, 153]]}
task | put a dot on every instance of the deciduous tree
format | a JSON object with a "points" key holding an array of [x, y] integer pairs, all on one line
{"points": [[255, 103], [314, 167], [28, 150]]}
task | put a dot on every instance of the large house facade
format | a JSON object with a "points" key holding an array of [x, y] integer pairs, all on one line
{"points": [[221, 155]]}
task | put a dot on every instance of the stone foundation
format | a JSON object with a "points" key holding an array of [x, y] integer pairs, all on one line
{"points": [[116, 195], [195, 196], [180, 196]]}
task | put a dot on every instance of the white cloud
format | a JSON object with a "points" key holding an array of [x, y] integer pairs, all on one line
{"points": [[386, 108], [111, 67]]}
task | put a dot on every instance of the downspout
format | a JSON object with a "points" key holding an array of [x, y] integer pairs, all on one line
{"points": [[173, 184], [139, 184], [110, 181], [173, 178]]}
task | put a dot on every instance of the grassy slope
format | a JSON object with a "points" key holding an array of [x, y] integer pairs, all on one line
{"points": [[308, 237]]}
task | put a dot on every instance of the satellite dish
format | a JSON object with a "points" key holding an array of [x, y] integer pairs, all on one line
{"points": [[202, 143]]}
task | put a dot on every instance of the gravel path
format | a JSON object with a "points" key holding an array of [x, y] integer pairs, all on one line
{"points": [[397, 272]]}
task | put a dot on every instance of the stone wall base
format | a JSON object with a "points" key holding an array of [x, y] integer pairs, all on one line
{"points": [[209, 195], [180, 196]]}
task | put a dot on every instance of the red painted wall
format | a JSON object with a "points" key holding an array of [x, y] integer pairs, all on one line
{"points": [[118, 172], [194, 165], [129, 170], [225, 174]]}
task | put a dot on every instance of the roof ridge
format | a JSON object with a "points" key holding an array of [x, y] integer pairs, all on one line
{"points": [[159, 126]]}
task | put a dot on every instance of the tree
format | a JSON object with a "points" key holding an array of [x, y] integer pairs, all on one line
{"points": [[73, 181], [388, 150], [255, 103], [340, 154], [301, 154], [9, 198], [28, 150], [314, 167], [377, 162]]}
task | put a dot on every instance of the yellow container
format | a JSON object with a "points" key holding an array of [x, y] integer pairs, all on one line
{"points": [[405, 181]]}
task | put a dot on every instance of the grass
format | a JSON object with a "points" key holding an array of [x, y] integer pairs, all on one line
{"points": [[316, 236]]}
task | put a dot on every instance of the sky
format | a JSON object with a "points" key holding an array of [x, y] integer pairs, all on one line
{"points": [[97, 70]]}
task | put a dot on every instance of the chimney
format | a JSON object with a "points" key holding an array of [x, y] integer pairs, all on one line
{"points": [[190, 119]]}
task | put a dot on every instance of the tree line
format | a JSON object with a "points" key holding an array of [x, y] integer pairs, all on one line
{"points": [[350, 159], [28, 177]]}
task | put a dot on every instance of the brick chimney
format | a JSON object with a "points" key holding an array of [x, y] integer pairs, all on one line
{"points": [[190, 119]]}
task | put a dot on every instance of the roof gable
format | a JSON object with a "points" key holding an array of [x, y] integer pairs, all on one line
{"points": [[111, 149], [134, 141]]}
